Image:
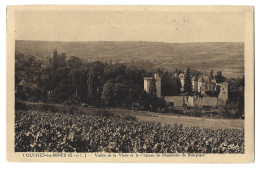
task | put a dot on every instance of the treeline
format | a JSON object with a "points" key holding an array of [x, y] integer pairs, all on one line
{"points": [[71, 80]]}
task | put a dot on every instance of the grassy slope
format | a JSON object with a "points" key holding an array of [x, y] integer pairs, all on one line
{"points": [[186, 121], [195, 121], [200, 56]]}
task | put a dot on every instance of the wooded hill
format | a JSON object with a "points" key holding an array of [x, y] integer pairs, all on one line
{"points": [[153, 55]]}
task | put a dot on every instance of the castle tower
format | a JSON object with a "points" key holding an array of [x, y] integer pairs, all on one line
{"points": [[213, 85], [158, 84], [194, 82], [223, 93], [147, 83], [201, 86], [181, 76]]}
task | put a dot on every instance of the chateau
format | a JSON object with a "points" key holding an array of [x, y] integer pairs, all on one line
{"points": [[202, 86]]}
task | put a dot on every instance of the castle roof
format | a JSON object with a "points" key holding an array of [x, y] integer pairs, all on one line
{"points": [[206, 79], [148, 78], [213, 80], [201, 79], [156, 76], [181, 75]]}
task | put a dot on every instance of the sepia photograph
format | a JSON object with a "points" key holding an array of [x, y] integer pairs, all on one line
{"points": [[163, 83]]}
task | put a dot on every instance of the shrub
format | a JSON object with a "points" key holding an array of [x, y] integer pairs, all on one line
{"points": [[104, 113], [196, 112], [131, 118], [99, 104], [73, 100], [177, 111], [73, 109], [20, 106], [48, 107], [68, 109], [43, 107], [161, 110], [19, 114], [230, 110]]}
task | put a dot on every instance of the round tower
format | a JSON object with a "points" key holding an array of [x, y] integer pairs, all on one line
{"points": [[158, 84]]}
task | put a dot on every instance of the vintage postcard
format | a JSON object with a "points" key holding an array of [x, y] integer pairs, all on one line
{"points": [[142, 84]]}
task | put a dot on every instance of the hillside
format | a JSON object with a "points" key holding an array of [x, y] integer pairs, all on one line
{"points": [[169, 56]]}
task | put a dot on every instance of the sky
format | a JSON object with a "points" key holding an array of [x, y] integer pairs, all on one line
{"points": [[158, 26]]}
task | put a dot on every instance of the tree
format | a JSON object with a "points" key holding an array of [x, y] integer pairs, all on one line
{"points": [[98, 69], [144, 100], [176, 83], [241, 101], [219, 78], [74, 62], [242, 82], [75, 76], [157, 104], [133, 93], [58, 60], [108, 94], [62, 59], [217, 90], [152, 88], [92, 85], [187, 81], [31, 59], [178, 71], [62, 92], [195, 73], [211, 74], [55, 58], [120, 93]]}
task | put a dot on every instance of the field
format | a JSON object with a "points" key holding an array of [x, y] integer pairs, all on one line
{"points": [[96, 130]]}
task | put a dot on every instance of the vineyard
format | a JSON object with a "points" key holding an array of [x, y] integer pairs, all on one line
{"points": [[40, 131]]}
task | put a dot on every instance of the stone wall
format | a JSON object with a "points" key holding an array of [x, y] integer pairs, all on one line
{"points": [[177, 100], [202, 101], [191, 101]]}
